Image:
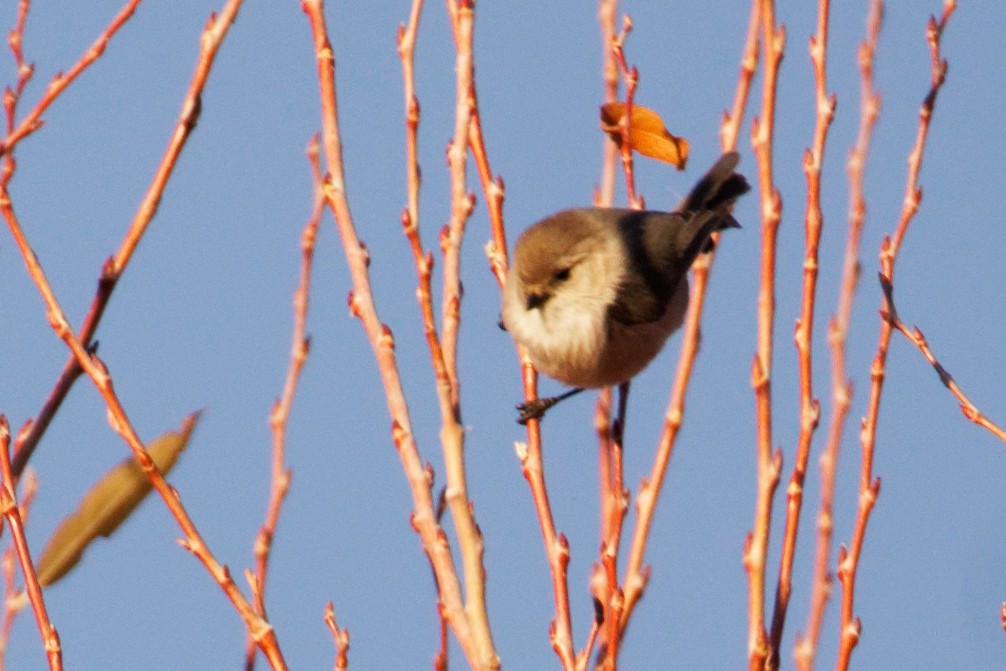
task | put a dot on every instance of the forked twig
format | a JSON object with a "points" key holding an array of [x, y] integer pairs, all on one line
{"points": [[914, 336], [209, 44], [361, 303], [341, 638], [869, 487]]}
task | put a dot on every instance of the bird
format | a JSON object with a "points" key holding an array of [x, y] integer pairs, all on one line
{"points": [[592, 294]]}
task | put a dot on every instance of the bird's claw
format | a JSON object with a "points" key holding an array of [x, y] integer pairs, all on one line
{"points": [[534, 409]]}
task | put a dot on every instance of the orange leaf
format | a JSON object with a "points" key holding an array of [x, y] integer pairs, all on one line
{"points": [[647, 133]]}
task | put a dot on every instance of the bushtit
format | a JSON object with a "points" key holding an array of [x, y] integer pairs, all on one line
{"points": [[592, 294]]}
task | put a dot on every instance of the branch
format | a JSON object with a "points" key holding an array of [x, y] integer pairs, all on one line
{"points": [[11, 513], [636, 574], [259, 628], [631, 78], [280, 413], [869, 487], [810, 408], [212, 37], [443, 349], [731, 123], [341, 638], [760, 651], [361, 303], [838, 328], [606, 12], [914, 336], [33, 121], [14, 599]]}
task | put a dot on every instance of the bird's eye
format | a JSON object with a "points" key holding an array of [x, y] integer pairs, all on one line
{"points": [[561, 275]]}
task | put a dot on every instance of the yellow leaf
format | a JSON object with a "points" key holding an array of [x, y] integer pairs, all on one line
{"points": [[107, 504], [647, 133]]}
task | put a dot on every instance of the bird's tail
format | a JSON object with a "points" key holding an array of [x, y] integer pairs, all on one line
{"points": [[717, 191]]}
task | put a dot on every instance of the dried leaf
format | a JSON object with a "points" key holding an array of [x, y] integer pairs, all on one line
{"points": [[108, 504], [647, 133]]}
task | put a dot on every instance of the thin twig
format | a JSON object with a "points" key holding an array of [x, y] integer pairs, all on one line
{"points": [[612, 596], [259, 628], [869, 487], [607, 10], [760, 651], [838, 329], [341, 638], [915, 337], [530, 454], [15, 599], [12, 96], [58, 84], [470, 539], [209, 44], [11, 512], [556, 545], [583, 659], [636, 574], [810, 408], [280, 413], [732, 118], [361, 302], [631, 78]]}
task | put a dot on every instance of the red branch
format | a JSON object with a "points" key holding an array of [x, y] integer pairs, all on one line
{"points": [[810, 408], [915, 337], [869, 487], [361, 303], [11, 512], [280, 413], [209, 44], [33, 121], [838, 328], [637, 575], [341, 638], [769, 465]]}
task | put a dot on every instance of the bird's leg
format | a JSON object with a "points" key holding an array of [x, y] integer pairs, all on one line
{"points": [[618, 426], [536, 409]]}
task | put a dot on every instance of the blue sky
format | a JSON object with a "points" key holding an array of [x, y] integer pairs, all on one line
{"points": [[202, 319]]}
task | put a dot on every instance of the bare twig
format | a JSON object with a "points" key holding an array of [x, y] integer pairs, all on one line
{"points": [[606, 13], [732, 118], [613, 506], [838, 328], [869, 487], [361, 302], [33, 120], [341, 638], [810, 408], [760, 651], [470, 539], [556, 545], [213, 35], [280, 413], [14, 598], [530, 454], [631, 78], [11, 512], [916, 338], [259, 628], [636, 574]]}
